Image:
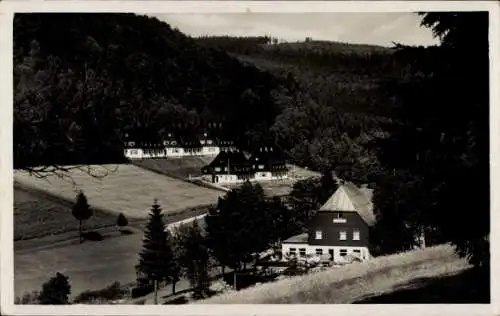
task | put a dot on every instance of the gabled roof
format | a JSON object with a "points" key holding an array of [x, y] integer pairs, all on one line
{"points": [[235, 160], [350, 198]]}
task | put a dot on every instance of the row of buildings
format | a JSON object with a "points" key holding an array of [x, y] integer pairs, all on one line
{"points": [[177, 146], [229, 165]]}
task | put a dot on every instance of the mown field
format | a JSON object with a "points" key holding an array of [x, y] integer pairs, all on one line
{"points": [[38, 215], [126, 188], [360, 281], [175, 167]]}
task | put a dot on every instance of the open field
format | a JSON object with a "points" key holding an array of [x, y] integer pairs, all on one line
{"points": [[355, 282], [180, 168], [38, 215], [126, 188], [89, 266]]}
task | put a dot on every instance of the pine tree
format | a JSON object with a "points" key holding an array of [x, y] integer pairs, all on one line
{"points": [[156, 256], [81, 211], [55, 291]]}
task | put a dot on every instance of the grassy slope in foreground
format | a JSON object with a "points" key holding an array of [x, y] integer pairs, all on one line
{"points": [[126, 188], [354, 282]]}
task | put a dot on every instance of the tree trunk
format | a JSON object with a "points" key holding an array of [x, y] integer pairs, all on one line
{"points": [[155, 292], [80, 231], [234, 279], [223, 269], [173, 286]]}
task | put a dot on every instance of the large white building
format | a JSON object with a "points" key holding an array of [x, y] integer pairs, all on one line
{"points": [[177, 146]]}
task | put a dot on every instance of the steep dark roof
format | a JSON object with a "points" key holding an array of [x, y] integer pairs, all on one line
{"points": [[235, 161], [350, 198]]}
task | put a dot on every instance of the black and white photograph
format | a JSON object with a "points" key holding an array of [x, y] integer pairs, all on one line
{"points": [[249, 157]]}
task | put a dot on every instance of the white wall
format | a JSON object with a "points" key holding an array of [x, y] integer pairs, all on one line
{"points": [[311, 250], [139, 153]]}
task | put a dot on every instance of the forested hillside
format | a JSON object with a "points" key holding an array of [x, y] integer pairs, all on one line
{"points": [[82, 80], [336, 101]]}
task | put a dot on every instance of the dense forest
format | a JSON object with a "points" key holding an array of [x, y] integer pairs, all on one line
{"points": [[410, 121], [141, 77], [83, 77]]}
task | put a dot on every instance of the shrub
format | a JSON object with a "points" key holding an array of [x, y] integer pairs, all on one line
{"points": [[121, 220], [141, 290], [56, 291], [220, 287], [28, 298], [113, 292], [93, 236]]}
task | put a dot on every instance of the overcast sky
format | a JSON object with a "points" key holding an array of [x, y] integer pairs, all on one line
{"points": [[365, 28]]}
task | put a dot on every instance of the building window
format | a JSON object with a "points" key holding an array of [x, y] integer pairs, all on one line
{"points": [[217, 169], [319, 234], [356, 251], [343, 252], [293, 251], [319, 252], [302, 252], [339, 218], [355, 235], [134, 152], [343, 235]]}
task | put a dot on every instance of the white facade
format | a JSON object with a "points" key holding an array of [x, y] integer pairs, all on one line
{"points": [[140, 153], [302, 250], [233, 179], [225, 178]]}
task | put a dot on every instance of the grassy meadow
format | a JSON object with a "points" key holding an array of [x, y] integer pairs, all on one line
{"points": [[38, 215], [125, 188], [355, 282], [175, 167]]}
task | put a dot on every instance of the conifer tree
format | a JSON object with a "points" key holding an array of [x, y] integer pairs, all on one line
{"points": [[121, 220], [156, 256], [55, 291], [81, 211]]}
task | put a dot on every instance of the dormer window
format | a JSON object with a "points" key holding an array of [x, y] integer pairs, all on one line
{"points": [[339, 218]]}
